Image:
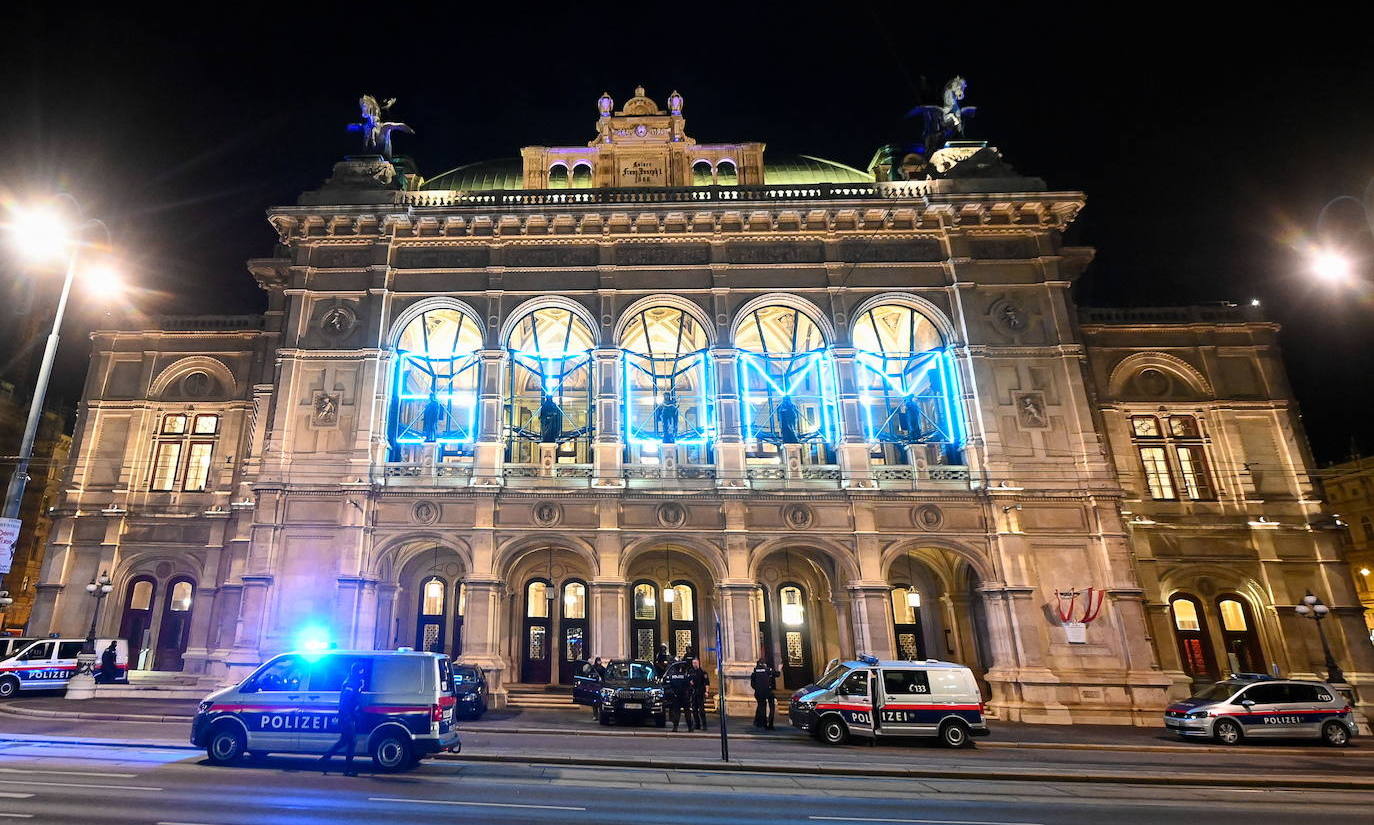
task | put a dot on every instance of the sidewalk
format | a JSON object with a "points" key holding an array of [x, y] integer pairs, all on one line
{"points": [[578, 722]]}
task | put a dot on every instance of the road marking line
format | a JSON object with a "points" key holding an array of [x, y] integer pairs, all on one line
{"points": [[72, 773], [921, 821], [9, 795], [474, 804], [180, 823], [16, 816], [49, 784]]}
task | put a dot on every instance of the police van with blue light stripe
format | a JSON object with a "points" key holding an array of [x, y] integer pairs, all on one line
{"points": [[1254, 705], [871, 699], [290, 704]]}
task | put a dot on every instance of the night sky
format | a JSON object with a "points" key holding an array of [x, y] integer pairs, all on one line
{"points": [[1207, 146]]}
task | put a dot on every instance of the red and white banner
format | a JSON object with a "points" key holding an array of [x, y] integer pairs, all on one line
{"points": [[9, 534]]}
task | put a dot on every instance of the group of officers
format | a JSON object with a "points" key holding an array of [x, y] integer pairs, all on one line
{"points": [[685, 689]]}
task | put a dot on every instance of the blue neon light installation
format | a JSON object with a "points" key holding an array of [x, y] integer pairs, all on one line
{"points": [[434, 400], [668, 397], [550, 363], [787, 384], [907, 381]]}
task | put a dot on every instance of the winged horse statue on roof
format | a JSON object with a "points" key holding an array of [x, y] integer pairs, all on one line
{"points": [[377, 132]]}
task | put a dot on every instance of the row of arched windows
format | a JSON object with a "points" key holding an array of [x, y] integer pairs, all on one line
{"points": [[579, 174], [787, 379]]}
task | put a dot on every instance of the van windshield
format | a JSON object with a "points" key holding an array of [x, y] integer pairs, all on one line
{"points": [[832, 677]]}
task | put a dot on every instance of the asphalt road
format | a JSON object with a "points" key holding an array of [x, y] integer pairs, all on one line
{"points": [[93, 785]]}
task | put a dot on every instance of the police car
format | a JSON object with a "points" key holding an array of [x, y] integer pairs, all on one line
{"points": [[48, 664], [290, 705], [871, 699], [1253, 705]]}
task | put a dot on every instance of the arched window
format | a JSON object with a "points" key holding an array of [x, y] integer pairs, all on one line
{"points": [[701, 173], [432, 597], [645, 602], [1190, 631], [435, 395], [905, 602], [550, 386], [726, 175], [791, 607], [558, 176], [787, 385], [582, 176], [180, 600], [1239, 637], [142, 596], [1367, 527], [537, 600], [906, 385], [684, 603], [667, 398], [574, 600]]}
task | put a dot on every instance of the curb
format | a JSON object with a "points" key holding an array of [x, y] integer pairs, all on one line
{"points": [[1122, 778]]}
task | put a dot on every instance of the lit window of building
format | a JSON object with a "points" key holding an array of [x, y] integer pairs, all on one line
{"points": [[1174, 460], [183, 452]]}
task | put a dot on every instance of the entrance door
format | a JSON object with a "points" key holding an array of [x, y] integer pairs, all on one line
{"points": [[682, 621], [573, 641], [429, 621], [644, 620], [765, 628], [137, 619], [462, 596], [906, 623], [535, 655], [797, 670], [1190, 630], [175, 629], [1238, 635]]}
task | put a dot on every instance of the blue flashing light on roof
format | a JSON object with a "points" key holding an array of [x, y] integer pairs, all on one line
{"points": [[868, 660]]}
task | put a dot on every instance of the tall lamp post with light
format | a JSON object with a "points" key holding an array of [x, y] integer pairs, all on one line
{"points": [[1311, 607], [82, 683]]}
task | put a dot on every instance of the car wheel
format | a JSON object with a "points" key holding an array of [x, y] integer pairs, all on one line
{"points": [[8, 687], [955, 735], [481, 709], [660, 721], [391, 751], [1227, 732], [226, 744], [833, 731], [1335, 734], [605, 718]]}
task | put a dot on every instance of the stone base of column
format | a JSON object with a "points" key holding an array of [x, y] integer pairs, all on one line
{"points": [[1040, 696], [82, 683]]}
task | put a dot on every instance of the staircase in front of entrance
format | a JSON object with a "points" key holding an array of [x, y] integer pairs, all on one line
{"points": [[555, 697], [155, 684]]}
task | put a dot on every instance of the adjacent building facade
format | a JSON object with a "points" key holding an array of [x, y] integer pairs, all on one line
{"points": [[1350, 491], [651, 392]]}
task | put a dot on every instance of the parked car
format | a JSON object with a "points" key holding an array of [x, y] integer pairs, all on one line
{"points": [[290, 705], [470, 687], [631, 691], [1260, 706], [873, 699], [10, 645]]}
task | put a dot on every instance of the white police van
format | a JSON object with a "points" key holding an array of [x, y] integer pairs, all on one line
{"points": [[871, 699], [290, 705], [48, 664]]}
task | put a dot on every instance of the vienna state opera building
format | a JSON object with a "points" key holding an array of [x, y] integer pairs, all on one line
{"points": [[645, 390]]}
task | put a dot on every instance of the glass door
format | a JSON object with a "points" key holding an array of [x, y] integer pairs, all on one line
{"points": [[535, 665], [572, 630]]}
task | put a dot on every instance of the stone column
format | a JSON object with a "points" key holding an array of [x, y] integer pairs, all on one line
{"points": [[855, 465], [609, 623], [482, 634], [739, 636], [246, 654], [194, 660], [607, 449], [730, 446], [489, 451], [869, 607]]}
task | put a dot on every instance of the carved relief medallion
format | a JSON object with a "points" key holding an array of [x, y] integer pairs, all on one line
{"points": [[196, 385], [672, 514], [547, 514], [798, 516], [338, 321], [424, 512], [324, 410], [1009, 316], [1030, 410], [928, 517]]}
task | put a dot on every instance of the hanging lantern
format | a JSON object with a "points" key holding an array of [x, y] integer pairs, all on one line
{"points": [[669, 594], [913, 599]]}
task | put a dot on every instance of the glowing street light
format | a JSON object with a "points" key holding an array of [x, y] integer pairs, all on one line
{"points": [[1332, 266], [42, 234]]}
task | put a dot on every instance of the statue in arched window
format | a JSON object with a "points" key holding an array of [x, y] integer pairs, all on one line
{"points": [[550, 385], [667, 404], [434, 397], [787, 385]]}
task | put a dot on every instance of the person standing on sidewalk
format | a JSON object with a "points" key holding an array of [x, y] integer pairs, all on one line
{"points": [[662, 659], [764, 680], [701, 685], [109, 667], [350, 704], [677, 692]]}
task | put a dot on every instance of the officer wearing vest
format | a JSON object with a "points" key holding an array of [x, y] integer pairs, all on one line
{"points": [[701, 684], [764, 680], [677, 692]]}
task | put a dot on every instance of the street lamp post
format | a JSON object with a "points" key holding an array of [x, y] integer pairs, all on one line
{"points": [[1311, 607], [82, 683]]}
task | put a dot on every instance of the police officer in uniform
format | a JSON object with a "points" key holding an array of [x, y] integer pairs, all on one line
{"points": [[109, 668], [701, 683], [764, 680], [350, 703], [677, 692], [662, 659]]}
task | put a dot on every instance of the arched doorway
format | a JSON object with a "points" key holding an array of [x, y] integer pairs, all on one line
{"points": [[174, 630], [535, 653], [136, 622], [644, 633], [669, 596], [906, 622], [427, 604], [936, 609], [794, 634], [683, 634], [429, 623], [1239, 638], [1190, 632], [574, 641], [799, 629]]}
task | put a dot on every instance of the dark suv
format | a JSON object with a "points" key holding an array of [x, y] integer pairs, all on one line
{"points": [[470, 688], [630, 690]]}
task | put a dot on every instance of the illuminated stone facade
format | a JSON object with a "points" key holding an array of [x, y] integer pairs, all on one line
{"points": [[834, 416], [1350, 490]]}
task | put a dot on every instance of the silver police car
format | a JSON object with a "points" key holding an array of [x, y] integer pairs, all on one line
{"points": [[1255, 706]]}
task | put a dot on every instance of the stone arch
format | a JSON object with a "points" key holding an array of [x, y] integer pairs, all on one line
{"points": [[391, 556], [516, 315], [509, 554], [928, 309], [846, 567], [706, 554], [627, 315], [802, 305], [420, 307], [1128, 368], [166, 387], [979, 562]]}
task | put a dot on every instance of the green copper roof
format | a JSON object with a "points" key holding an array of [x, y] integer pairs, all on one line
{"points": [[778, 170], [785, 170]]}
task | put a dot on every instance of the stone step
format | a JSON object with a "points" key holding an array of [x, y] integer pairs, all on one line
{"points": [[148, 692]]}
